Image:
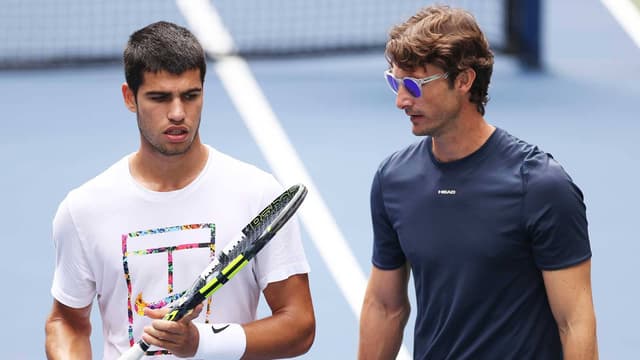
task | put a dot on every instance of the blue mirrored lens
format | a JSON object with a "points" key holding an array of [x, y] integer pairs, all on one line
{"points": [[412, 87], [392, 83]]}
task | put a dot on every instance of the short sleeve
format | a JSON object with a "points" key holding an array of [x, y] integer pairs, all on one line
{"points": [[387, 253], [555, 215], [73, 282]]}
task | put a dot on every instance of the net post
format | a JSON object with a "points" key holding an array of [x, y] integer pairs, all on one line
{"points": [[523, 24]]}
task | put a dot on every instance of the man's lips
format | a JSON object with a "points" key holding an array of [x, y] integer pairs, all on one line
{"points": [[176, 134]]}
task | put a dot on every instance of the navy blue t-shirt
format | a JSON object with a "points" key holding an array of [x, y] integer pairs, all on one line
{"points": [[477, 232]]}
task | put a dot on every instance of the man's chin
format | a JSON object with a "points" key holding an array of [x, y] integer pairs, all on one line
{"points": [[420, 131], [174, 149]]}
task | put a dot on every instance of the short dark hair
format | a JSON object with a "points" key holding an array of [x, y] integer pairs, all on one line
{"points": [[161, 46], [448, 38]]}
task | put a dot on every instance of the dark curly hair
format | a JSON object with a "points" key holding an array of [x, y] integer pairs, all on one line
{"points": [[449, 38]]}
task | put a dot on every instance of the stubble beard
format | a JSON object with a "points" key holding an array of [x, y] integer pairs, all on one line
{"points": [[163, 149], [428, 130], [444, 122]]}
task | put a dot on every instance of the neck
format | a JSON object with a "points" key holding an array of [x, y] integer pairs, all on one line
{"points": [[463, 139], [158, 172]]}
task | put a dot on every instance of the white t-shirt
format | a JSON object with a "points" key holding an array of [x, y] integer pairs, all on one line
{"points": [[132, 247]]}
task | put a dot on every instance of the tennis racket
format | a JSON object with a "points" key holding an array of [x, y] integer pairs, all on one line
{"points": [[232, 258]]}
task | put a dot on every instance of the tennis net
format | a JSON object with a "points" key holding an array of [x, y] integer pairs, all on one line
{"points": [[45, 33]]}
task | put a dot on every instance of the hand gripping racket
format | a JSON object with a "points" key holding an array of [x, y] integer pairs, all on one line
{"points": [[232, 258]]}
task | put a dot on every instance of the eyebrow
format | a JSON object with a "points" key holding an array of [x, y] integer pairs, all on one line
{"points": [[165, 93]]}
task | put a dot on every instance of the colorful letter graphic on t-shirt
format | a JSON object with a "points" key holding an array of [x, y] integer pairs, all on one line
{"points": [[174, 248]]}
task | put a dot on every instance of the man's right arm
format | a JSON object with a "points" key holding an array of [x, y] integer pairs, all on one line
{"points": [[67, 332], [384, 314]]}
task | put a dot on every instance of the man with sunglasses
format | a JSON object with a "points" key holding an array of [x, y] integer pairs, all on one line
{"points": [[492, 228]]}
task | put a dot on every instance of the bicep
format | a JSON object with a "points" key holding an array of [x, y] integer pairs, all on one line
{"points": [[291, 294], [67, 332], [388, 287], [569, 292], [76, 317], [384, 313], [292, 319]]}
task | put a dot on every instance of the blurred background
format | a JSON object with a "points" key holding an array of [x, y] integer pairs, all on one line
{"points": [[566, 78]]}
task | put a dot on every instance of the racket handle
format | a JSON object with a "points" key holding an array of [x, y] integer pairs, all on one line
{"points": [[136, 352]]}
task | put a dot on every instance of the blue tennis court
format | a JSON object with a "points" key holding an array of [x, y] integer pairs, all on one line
{"points": [[64, 126]]}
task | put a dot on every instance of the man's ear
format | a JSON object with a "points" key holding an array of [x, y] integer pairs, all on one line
{"points": [[465, 80], [129, 98]]}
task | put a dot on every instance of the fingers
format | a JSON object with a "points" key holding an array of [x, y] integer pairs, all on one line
{"points": [[180, 337], [160, 313], [193, 313], [155, 313]]}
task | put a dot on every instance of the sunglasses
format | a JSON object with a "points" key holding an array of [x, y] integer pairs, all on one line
{"points": [[413, 85]]}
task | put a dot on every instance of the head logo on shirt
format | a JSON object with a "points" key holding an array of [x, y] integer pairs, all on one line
{"points": [[446, 192]]}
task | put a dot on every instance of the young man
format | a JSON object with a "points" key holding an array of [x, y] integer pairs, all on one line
{"points": [[138, 234], [492, 228]]}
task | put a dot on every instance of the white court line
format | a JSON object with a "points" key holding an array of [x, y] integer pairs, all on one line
{"points": [[246, 95], [628, 15]]}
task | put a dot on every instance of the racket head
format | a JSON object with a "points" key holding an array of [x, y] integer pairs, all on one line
{"points": [[270, 220], [254, 236]]}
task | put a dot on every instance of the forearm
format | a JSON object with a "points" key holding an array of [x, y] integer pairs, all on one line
{"points": [[66, 342], [569, 293], [579, 341], [381, 331], [281, 335]]}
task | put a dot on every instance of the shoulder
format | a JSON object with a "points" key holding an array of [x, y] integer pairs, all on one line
{"points": [[235, 167], [86, 199], [239, 173], [542, 173], [535, 164], [243, 180], [404, 158], [546, 180], [101, 186], [514, 148], [542, 176]]}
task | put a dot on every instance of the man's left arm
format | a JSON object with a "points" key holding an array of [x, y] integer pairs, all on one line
{"points": [[290, 330], [570, 297]]}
